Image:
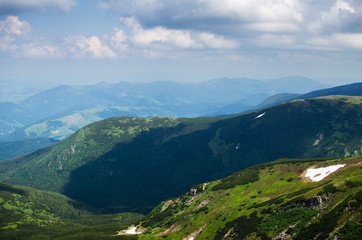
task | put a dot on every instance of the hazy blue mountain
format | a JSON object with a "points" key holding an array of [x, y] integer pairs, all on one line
{"points": [[60, 111], [61, 127], [294, 84], [16, 91], [13, 116], [276, 99], [354, 89]]}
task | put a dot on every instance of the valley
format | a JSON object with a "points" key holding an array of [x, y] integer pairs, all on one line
{"points": [[180, 120], [130, 164]]}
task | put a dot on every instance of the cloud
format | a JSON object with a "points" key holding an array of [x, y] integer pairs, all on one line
{"points": [[340, 16], [12, 25], [93, 47], [189, 28], [41, 49], [16, 6], [337, 42], [209, 15], [162, 37], [118, 41], [10, 29], [213, 41], [249, 23], [14, 35]]}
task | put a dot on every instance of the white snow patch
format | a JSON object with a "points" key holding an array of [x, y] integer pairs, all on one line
{"points": [[317, 174], [191, 238], [260, 115], [133, 231]]}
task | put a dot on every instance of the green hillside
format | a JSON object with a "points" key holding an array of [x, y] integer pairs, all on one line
{"points": [[269, 201], [27, 213], [10, 149], [124, 163]]}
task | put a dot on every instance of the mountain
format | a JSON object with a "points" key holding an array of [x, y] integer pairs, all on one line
{"points": [[13, 116], [294, 84], [275, 99], [60, 111], [16, 91], [61, 127], [134, 163], [27, 213], [16, 148], [285, 199], [354, 89]]}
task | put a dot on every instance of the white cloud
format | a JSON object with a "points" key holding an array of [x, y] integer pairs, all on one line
{"points": [[12, 25], [42, 50], [276, 41], [10, 29], [92, 47], [352, 41], [213, 41], [118, 40], [158, 36], [161, 28], [337, 42], [296, 22], [11, 6], [253, 10], [162, 37], [7, 43]]}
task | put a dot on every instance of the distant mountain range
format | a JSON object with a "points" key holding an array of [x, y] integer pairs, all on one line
{"points": [[58, 112], [128, 163], [22, 122], [354, 89]]}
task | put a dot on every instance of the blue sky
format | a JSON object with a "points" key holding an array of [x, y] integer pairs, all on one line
{"points": [[77, 42]]}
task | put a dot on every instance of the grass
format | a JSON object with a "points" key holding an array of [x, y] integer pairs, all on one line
{"points": [[29, 213], [264, 208]]}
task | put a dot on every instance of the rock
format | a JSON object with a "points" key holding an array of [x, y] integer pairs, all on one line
{"points": [[317, 202], [192, 192]]}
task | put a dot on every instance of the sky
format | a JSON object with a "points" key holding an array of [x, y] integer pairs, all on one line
{"points": [[52, 42]]}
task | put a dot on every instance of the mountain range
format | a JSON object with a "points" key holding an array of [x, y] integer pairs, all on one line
{"points": [[128, 163], [204, 178], [58, 112]]}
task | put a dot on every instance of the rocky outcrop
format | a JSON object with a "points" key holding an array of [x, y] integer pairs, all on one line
{"points": [[192, 192], [317, 202]]}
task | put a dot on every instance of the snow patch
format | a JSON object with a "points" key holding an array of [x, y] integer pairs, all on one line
{"points": [[317, 174], [133, 231], [260, 115]]}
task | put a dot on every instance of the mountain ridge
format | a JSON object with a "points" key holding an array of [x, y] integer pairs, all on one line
{"points": [[274, 200], [141, 99], [116, 162]]}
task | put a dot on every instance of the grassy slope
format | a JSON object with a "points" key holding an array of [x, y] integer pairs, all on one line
{"points": [[117, 162], [29, 213], [262, 201]]}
